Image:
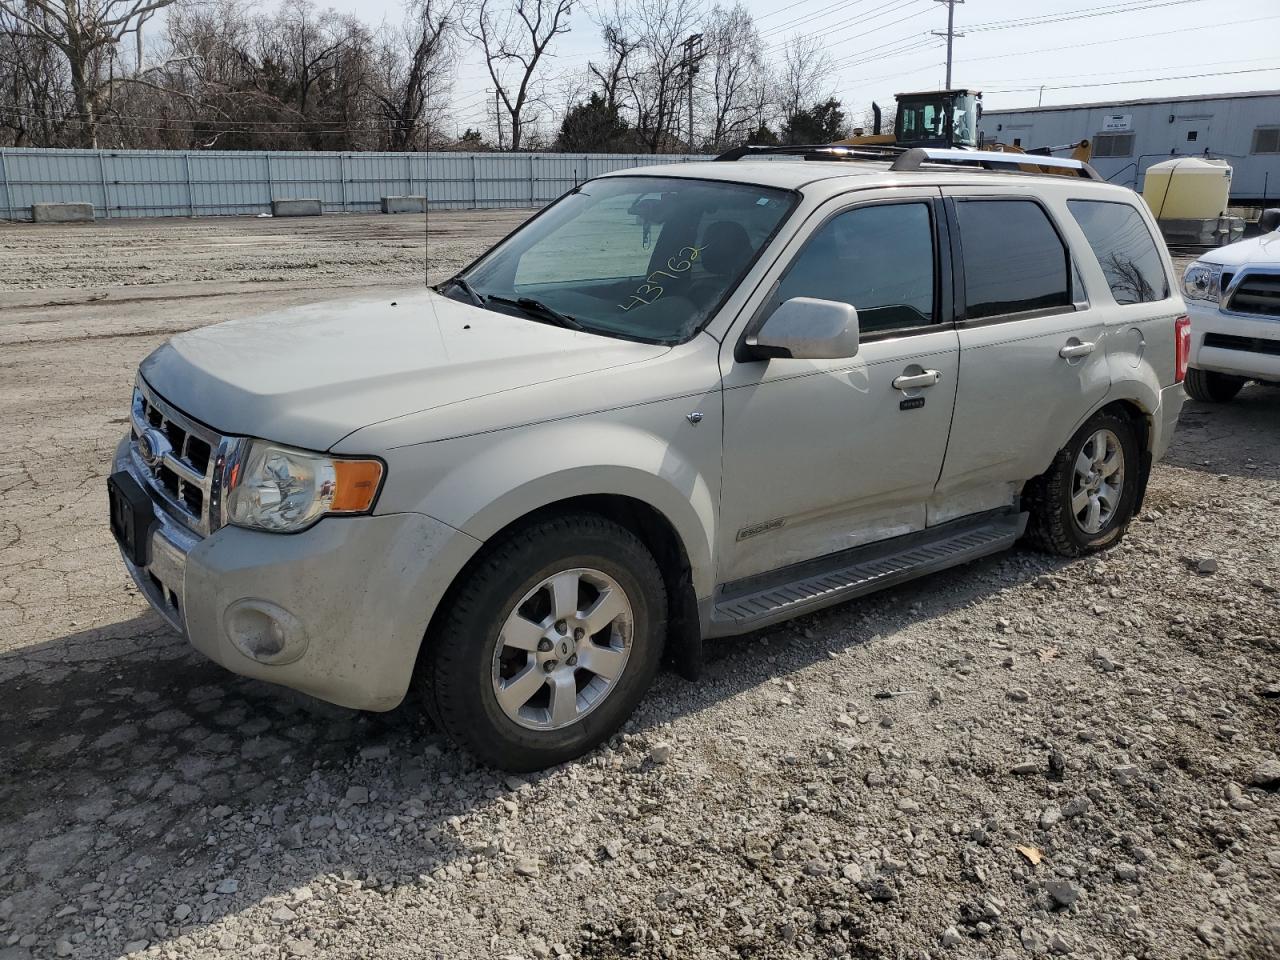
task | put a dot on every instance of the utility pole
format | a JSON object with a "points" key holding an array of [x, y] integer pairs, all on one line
{"points": [[690, 63], [497, 116], [951, 32]]}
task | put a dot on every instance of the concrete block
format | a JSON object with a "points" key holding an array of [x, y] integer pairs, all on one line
{"points": [[404, 204], [62, 212], [296, 208]]}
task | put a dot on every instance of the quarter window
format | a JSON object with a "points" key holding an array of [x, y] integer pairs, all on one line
{"points": [[1124, 248], [1014, 260], [879, 258], [1266, 140], [1113, 145]]}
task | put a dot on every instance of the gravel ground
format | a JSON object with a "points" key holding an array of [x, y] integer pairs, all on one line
{"points": [[1022, 757]]}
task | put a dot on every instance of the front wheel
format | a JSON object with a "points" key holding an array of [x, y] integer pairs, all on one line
{"points": [[1085, 500], [1209, 387], [549, 643]]}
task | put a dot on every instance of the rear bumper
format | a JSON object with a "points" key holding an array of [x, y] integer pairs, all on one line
{"points": [[337, 611], [1246, 351], [1165, 421]]}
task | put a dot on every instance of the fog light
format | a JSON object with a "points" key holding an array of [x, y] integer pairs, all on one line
{"points": [[264, 632]]}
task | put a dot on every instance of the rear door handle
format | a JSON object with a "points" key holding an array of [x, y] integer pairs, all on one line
{"points": [[1073, 351], [913, 380]]}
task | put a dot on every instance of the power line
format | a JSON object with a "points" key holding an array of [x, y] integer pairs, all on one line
{"points": [[1086, 14], [1121, 83]]}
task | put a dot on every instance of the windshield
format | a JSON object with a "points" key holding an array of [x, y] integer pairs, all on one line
{"points": [[645, 258]]}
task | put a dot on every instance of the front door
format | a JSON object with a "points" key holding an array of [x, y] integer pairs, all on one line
{"points": [[824, 455], [1032, 358]]}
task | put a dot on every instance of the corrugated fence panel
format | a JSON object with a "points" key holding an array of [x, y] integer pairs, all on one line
{"points": [[198, 183]]}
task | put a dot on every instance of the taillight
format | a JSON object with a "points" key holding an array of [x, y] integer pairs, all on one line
{"points": [[1182, 336]]}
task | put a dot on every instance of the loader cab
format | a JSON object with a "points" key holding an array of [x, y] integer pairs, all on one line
{"points": [[938, 118]]}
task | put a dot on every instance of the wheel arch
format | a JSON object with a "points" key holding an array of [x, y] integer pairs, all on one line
{"points": [[659, 535]]}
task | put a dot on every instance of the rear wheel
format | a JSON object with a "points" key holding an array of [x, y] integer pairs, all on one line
{"points": [[1085, 500], [549, 643], [1209, 387]]}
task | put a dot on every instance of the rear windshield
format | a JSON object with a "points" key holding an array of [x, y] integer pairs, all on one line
{"points": [[1124, 248], [645, 258]]}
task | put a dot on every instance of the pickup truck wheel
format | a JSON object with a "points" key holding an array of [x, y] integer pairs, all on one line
{"points": [[1209, 387], [549, 644], [1085, 500]]}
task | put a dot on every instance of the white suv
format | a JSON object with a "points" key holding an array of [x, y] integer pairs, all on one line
{"points": [[1233, 298], [673, 405]]}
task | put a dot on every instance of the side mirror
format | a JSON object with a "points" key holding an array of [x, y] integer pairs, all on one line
{"points": [[1270, 220], [805, 328]]}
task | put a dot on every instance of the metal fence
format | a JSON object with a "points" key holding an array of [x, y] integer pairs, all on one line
{"points": [[176, 183]]}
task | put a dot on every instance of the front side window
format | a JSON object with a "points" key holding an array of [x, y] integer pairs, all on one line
{"points": [[644, 258], [1124, 248], [879, 258], [1014, 260]]}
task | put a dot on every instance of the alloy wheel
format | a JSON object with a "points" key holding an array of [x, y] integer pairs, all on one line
{"points": [[562, 649]]}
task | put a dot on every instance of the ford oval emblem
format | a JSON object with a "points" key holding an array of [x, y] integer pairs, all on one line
{"points": [[152, 447]]}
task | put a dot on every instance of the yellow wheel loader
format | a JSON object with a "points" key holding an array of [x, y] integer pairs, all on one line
{"points": [[949, 119]]}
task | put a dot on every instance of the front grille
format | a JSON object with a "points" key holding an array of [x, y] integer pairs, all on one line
{"points": [[181, 479], [1257, 293], [1226, 341]]}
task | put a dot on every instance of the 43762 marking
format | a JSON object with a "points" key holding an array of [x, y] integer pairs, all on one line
{"points": [[682, 262]]}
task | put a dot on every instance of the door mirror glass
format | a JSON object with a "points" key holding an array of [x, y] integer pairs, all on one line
{"points": [[805, 328]]}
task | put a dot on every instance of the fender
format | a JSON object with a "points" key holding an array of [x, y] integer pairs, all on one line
{"points": [[481, 484]]}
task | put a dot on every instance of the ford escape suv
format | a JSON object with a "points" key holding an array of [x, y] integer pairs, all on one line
{"points": [[675, 404]]}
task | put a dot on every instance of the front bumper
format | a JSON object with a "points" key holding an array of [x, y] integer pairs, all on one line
{"points": [[1250, 339], [337, 611]]}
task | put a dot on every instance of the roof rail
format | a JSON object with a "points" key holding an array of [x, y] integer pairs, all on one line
{"points": [[915, 158], [818, 151]]}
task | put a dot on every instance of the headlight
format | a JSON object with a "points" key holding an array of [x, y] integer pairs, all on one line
{"points": [[1202, 281], [270, 487]]}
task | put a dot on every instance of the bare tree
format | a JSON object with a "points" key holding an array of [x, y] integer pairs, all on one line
{"points": [[514, 44], [411, 84], [654, 84], [84, 31], [803, 76], [734, 75]]}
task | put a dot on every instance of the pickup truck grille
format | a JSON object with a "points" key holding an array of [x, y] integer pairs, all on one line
{"points": [[1257, 293], [180, 473], [1225, 341]]}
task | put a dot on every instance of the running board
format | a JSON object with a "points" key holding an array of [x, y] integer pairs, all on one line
{"points": [[756, 602]]}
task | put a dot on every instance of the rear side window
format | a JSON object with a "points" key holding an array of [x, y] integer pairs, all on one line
{"points": [[879, 258], [1014, 260], [1124, 248]]}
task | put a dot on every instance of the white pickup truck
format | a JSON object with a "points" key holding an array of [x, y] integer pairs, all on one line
{"points": [[1233, 298], [678, 403]]}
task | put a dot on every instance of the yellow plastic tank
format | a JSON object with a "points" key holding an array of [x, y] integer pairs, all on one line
{"points": [[1188, 188]]}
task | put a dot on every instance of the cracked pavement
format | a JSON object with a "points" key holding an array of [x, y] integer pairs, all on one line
{"points": [[152, 803]]}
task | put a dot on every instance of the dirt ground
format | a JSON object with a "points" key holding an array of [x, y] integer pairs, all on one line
{"points": [[1077, 758]]}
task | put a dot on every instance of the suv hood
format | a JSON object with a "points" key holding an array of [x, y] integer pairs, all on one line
{"points": [[308, 376], [1255, 252]]}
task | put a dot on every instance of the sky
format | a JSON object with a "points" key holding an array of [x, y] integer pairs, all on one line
{"points": [[1087, 51]]}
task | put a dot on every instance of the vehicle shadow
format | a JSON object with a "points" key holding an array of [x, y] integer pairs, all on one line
{"points": [[156, 765], [1240, 438]]}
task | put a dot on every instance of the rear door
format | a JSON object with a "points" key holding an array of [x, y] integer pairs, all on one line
{"points": [[1032, 359]]}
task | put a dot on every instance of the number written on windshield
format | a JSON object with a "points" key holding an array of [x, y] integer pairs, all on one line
{"points": [[651, 290]]}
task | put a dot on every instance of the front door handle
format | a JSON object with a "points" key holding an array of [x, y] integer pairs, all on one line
{"points": [[1073, 351], [909, 381]]}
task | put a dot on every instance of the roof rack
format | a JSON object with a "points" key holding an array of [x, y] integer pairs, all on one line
{"points": [[915, 158], [818, 151]]}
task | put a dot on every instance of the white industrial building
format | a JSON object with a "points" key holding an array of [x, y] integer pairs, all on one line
{"points": [[1129, 136]]}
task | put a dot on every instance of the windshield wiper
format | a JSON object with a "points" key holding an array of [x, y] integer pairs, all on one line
{"points": [[539, 311], [462, 284]]}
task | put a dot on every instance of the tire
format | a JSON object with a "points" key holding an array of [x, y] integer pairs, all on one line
{"points": [[1062, 500], [1208, 387], [552, 583]]}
